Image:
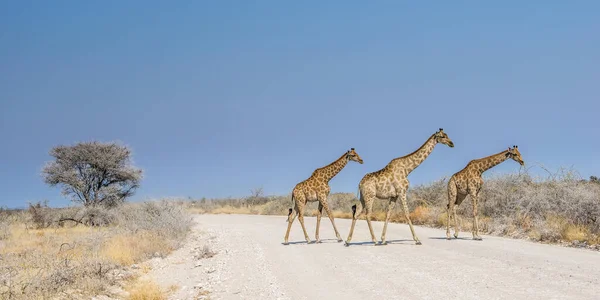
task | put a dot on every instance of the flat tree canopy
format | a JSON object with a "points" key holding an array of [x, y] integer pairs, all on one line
{"points": [[93, 173]]}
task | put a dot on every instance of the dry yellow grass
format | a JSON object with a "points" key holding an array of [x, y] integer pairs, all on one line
{"points": [[420, 215], [573, 232], [146, 289], [46, 240], [80, 261], [36, 258], [127, 249]]}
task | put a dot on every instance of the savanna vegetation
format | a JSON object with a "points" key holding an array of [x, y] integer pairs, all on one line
{"points": [[88, 249], [559, 207]]}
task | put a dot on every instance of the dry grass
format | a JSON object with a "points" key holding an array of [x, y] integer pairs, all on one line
{"points": [[559, 207], [146, 289], [127, 249], [71, 260]]}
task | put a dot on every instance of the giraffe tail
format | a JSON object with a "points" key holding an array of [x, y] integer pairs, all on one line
{"points": [[354, 206], [290, 210]]}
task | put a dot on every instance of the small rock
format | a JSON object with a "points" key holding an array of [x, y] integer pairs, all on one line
{"points": [[198, 264]]}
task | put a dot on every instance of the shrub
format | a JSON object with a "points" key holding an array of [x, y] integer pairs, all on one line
{"points": [[40, 215]]}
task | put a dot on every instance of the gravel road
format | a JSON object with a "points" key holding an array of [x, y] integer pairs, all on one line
{"points": [[252, 263]]}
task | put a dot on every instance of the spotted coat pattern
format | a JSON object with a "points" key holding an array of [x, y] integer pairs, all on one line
{"points": [[316, 188], [391, 183], [468, 182]]}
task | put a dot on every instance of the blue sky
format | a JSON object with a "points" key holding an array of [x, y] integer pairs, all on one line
{"points": [[218, 97]]}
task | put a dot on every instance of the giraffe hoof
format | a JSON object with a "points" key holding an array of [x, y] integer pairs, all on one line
{"points": [[477, 238], [418, 243], [318, 242], [456, 235], [340, 240], [383, 243]]}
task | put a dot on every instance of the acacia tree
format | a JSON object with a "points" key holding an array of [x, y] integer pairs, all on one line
{"points": [[93, 173]]}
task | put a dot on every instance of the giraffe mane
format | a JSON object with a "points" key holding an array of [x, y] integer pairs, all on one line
{"points": [[332, 163], [407, 155], [487, 157]]}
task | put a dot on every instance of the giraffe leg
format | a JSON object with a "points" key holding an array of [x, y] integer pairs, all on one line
{"points": [[301, 219], [412, 230], [456, 223], [368, 218], [354, 217], [387, 219], [319, 213], [330, 215], [291, 218], [474, 197], [459, 200], [449, 208]]}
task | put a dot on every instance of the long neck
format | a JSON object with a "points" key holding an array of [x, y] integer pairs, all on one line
{"points": [[329, 171], [491, 161], [411, 161]]}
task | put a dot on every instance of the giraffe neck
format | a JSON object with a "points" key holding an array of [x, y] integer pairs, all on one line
{"points": [[329, 171], [491, 161], [411, 161]]}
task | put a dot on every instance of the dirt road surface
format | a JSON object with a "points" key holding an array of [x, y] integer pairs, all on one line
{"points": [[252, 263]]}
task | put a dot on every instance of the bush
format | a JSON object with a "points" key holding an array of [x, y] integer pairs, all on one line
{"points": [[162, 217], [40, 215]]}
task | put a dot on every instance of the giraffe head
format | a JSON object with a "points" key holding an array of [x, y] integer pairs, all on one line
{"points": [[442, 137], [515, 155], [352, 155]]}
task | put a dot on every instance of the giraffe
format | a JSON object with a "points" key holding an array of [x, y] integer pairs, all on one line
{"points": [[469, 181], [391, 183], [316, 188]]}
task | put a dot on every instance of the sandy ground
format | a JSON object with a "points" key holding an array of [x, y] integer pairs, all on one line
{"points": [[252, 263]]}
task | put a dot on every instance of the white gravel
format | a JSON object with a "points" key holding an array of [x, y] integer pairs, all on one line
{"points": [[252, 263]]}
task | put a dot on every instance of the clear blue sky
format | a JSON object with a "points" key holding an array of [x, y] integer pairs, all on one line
{"points": [[219, 97]]}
